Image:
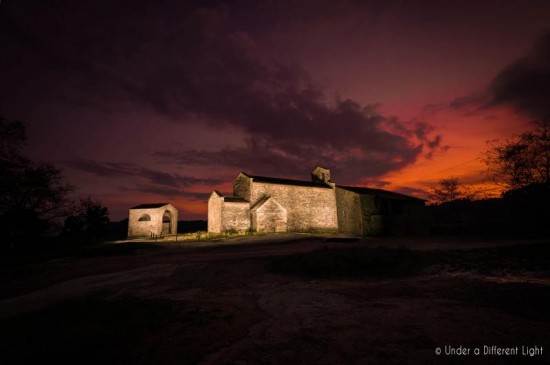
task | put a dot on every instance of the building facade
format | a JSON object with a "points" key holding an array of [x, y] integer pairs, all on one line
{"points": [[146, 220], [265, 204]]}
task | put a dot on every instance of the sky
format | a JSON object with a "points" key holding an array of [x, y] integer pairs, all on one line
{"points": [[164, 101]]}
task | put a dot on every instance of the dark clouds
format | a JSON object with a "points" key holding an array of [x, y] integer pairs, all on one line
{"points": [[525, 84], [144, 179], [289, 122], [200, 63], [165, 192]]}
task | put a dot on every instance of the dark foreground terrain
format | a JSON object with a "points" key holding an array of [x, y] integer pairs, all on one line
{"points": [[280, 300]]}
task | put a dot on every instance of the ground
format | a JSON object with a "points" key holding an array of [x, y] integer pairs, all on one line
{"points": [[284, 299]]}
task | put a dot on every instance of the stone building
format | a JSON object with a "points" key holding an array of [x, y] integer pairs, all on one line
{"points": [[145, 220], [266, 204]]}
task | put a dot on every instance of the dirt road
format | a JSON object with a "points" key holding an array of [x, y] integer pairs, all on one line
{"points": [[223, 303]]}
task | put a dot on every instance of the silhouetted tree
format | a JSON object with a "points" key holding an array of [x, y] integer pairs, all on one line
{"points": [[450, 189], [521, 161], [32, 194], [90, 220]]}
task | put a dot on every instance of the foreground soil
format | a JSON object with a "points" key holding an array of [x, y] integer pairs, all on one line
{"points": [[281, 300]]}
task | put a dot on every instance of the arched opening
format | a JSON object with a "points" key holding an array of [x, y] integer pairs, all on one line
{"points": [[166, 223], [144, 218]]}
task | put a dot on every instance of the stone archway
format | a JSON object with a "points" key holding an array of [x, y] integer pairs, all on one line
{"points": [[166, 223]]}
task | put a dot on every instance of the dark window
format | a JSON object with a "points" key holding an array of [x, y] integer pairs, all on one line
{"points": [[144, 218]]}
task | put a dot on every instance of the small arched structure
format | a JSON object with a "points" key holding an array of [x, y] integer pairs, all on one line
{"points": [[145, 220]]}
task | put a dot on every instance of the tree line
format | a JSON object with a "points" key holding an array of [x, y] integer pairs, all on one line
{"points": [[34, 196], [520, 166], [516, 165]]}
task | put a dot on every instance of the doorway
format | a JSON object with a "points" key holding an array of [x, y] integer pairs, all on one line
{"points": [[166, 223]]}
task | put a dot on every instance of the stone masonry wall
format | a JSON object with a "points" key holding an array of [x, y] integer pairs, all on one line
{"points": [[270, 217], [308, 208], [241, 186], [215, 213], [138, 228], [375, 221], [350, 217], [235, 217]]}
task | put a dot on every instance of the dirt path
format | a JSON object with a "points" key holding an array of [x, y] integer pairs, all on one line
{"points": [[219, 303]]}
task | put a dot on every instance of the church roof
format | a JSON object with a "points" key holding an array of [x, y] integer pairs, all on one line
{"points": [[378, 192], [149, 206], [234, 199], [230, 199], [355, 189], [260, 203], [274, 180]]}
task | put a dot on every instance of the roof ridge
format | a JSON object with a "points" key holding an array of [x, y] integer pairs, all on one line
{"points": [[284, 181], [149, 205], [377, 190], [261, 201]]}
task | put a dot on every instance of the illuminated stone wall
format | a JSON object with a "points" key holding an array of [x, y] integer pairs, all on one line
{"points": [[321, 206], [235, 216], [350, 217], [269, 216], [227, 216], [308, 208], [215, 212], [241, 186], [144, 228]]}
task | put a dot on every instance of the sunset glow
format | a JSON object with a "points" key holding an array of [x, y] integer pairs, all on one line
{"points": [[165, 103]]}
